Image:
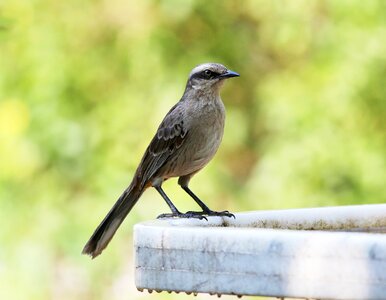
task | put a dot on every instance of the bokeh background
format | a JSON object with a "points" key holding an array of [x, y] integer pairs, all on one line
{"points": [[84, 85]]}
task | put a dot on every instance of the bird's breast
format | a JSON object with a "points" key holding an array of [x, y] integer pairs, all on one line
{"points": [[205, 128], [206, 133]]}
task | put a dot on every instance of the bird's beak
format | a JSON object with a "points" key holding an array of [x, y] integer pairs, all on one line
{"points": [[229, 74]]}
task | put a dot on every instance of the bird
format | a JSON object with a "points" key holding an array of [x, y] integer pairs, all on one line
{"points": [[185, 142]]}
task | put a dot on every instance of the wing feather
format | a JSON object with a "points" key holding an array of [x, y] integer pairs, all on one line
{"points": [[169, 137]]}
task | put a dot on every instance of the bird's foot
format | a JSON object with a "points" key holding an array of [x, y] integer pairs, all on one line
{"points": [[210, 213], [188, 215]]}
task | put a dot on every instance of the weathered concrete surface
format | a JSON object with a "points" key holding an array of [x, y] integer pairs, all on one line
{"points": [[226, 256]]}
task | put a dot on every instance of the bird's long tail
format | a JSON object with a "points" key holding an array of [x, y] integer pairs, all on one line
{"points": [[107, 228]]}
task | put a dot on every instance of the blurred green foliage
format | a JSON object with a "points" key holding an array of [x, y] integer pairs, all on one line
{"points": [[84, 84]]}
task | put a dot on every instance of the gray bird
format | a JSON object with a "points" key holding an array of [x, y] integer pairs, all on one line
{"points": [[185, 142]]}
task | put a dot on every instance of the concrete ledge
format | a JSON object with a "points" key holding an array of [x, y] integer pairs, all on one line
{"points": [[244, 257]]}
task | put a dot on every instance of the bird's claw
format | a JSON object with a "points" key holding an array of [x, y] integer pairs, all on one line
{"points": [[210, 213], [188, 215], [225, 213]]}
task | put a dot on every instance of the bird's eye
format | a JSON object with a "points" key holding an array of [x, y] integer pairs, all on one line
{"points": [[208, 73]]}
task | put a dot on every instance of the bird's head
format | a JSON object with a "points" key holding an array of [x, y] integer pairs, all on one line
{"points": [[209, 77]]}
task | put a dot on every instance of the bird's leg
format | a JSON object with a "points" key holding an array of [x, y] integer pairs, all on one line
{"points": [[175, 212], [205, 209]]}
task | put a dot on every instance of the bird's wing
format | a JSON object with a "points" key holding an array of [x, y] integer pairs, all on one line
{"points": [[170, 135]]}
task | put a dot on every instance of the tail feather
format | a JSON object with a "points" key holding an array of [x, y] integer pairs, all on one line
{"points": [[107, 228]]}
